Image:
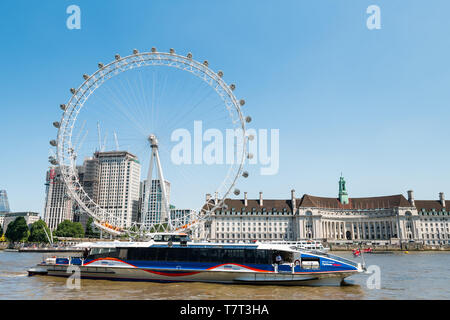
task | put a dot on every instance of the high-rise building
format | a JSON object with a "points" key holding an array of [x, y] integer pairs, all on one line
{"points": [[113, 178], [4, 204], [58, 205], [152, 215], [79, 215]]}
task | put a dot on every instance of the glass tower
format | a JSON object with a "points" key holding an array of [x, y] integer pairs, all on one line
{"points": [[4, 205]]}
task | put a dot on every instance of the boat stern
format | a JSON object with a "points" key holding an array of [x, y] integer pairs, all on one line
{"points": [[37, 270]]}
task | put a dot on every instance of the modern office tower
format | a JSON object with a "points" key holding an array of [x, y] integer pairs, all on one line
{"points": [[153, 214], [116, 188], [111, 179], [4, 204], [79, 215], [58, 205]]}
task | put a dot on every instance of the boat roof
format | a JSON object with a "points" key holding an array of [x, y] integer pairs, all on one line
{"points": [[151, 243]]}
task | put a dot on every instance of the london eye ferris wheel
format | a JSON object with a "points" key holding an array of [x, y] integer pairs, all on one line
{"points": [[139, 101]]}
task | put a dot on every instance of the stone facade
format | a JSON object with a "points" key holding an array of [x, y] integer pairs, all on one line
{"points": [[375, 219]]}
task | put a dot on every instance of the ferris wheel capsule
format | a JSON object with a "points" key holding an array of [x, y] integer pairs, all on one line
{"points": [[53, 143], [242, 102], [72, 90], [245, 174], [100, 65], [117, 57], [251, 137], [52, 160], [189, 55], [56, 124], [85, 76], [237, 192], [171, 51], [135, 51], [250, 156], [153, 49], [205, 63], [63, 107], [220, 74], [232, 87], [248, 119]]}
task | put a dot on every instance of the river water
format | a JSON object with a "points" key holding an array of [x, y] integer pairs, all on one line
{"points": [[417, 275]]}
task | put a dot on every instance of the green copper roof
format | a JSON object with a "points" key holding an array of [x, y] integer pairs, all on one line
{"points": [[343, 195]]}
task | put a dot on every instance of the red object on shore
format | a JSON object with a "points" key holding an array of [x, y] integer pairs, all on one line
{"points": [[356, 252]]}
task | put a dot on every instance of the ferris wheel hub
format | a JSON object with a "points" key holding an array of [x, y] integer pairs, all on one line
{"points": [[153, 141]]}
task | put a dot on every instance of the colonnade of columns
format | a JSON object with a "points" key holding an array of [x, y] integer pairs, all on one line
{"points": [[343, 229]]}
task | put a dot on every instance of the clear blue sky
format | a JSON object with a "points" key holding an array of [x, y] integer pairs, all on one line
{"points": [[372, 104]]}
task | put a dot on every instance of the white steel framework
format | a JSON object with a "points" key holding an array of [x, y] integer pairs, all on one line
{"points": [[165, 208], [66, 150]]}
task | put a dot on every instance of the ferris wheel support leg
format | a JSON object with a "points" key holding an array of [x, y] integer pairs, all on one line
{"points": [[165, 214], [148, 186]]}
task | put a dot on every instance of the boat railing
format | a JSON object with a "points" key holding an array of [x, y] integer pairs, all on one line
{"points": [[337, 258], [62, 260]]}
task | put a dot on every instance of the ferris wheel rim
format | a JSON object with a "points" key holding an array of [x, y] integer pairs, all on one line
{"points": [[108, 71]]}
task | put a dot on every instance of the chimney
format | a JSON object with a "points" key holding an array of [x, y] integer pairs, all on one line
{"points": [[208, 197], [293, 200], [216, 200], [411, 197], [260, 199], [245, 199], [442, 199]]}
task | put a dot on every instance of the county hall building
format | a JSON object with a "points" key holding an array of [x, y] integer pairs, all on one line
{"points": [[390, 218]]}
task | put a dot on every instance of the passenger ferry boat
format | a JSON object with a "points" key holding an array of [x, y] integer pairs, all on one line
{"points": [[173, 257]]}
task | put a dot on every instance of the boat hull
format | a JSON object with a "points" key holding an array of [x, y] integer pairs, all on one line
{"points": [[212, 276]]}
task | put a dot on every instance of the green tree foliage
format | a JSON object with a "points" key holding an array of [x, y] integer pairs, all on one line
{"points": [[68, 228], [37, 233], [17, 230], [159, 227], [90, 231]]}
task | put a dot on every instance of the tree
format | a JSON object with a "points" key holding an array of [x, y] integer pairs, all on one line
{"points": [[17, 230], [68, 228], [90, 232], [160, 227], [37, 233]]}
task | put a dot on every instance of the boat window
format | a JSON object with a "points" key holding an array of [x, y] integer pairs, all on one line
{"points": [[212, 255], [286, 257], [96, 253], [170, 237], [123, 254]]}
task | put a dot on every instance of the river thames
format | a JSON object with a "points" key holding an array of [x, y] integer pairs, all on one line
{"points": [[417, 275]]}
